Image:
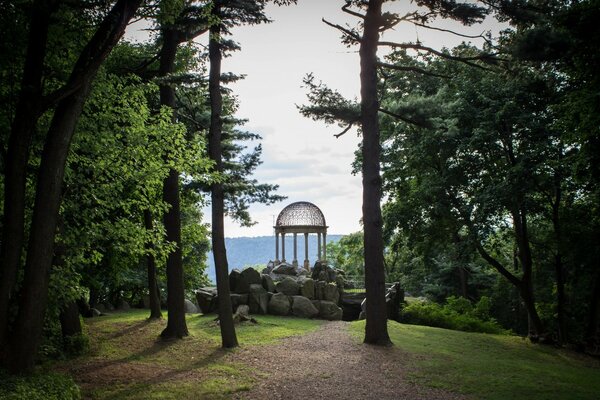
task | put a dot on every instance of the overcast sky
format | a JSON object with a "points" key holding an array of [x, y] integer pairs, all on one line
{"points": [[300, 155]]}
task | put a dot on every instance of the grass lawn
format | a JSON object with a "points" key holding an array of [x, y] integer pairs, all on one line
{"points": [[493, 366], [128, 361]]}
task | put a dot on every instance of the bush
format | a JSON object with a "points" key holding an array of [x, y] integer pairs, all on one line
{"points": [[456, 315], [76, 345], [40, 386]]}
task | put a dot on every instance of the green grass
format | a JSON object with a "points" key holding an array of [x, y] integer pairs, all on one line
{"points": [[138, 365], [493, 366]]}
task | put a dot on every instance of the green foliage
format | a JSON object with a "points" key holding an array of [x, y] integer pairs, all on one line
{"points": [[457, 314], [39, 386]]}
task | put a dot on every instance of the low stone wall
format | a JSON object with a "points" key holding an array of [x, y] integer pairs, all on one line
{"points": [[281, 290]]}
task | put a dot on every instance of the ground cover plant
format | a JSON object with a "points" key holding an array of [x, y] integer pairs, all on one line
{"points": [[127, 360], [485, 366]]}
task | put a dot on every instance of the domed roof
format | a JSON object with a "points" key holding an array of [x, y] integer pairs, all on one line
{"points": [[301, 213]]}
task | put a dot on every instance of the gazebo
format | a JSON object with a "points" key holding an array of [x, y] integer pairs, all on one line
{"points": [[300, 217]]}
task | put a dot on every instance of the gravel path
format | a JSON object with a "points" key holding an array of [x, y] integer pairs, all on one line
{"points": [[329, 364]]}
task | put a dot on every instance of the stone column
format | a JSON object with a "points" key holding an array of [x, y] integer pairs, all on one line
{"points": [[282, 246], [306, 262], [325, 245], [276, 248], [318, 246], [295, 262]]}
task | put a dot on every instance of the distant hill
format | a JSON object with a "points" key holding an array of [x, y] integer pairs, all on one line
{"points": [[246, 251]]}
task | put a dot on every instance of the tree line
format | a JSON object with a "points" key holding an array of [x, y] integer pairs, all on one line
{"points": [[109, 151], [488, 160]]}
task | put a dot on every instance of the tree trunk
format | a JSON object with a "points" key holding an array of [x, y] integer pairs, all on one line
{"points": [[592, 334], [70, 324], [376, 325], [17, 157], [228, 335], [176, 325], [154, 300], [536, 329], [558, 264], [34, 295]]}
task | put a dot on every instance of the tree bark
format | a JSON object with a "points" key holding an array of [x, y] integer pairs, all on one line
{"points": [[17, 157], [558, 263], [536, 329], [176, 325], [376, 325], [70, 324], [228, 335], [154, 299], [34, 295], [592, 334]]}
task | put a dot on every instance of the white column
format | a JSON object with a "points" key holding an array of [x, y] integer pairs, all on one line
{"points": [[295, 262], [306, 262], [276, 248], [319, 246], [325, 245], [282, 246]]}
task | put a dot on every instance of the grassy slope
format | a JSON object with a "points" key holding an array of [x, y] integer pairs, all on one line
{"points": [[128, 362], [492, 366]]}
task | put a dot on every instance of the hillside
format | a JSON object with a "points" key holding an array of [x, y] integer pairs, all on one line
{"points": [[246, 251]]}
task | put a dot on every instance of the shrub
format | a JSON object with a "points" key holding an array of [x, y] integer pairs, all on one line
{"points": [[39, 386], [456, 315]]}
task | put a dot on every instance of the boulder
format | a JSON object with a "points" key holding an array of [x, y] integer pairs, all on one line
{"points": [[238, 300], [244, 279], [242, 314], [269, 268], [251, 276], [123, 305], [307, 288], [317, 304], [320, 289], [258, 299], [322, 272], [331, 293], [190, 308], [303, 307], [267, 283], [279, 304], [285, 269], [234, 277], [330, 311], [207, 300], [100, 307], [288, 286], [95, 312]]}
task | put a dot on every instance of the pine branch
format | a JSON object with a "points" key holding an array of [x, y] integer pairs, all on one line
{"points": [[410, 69], [347, 32], [405, 119], [464, 60], [350, 125]]}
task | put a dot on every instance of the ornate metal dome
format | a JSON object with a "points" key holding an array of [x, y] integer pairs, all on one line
{"points": [[301, 213]]}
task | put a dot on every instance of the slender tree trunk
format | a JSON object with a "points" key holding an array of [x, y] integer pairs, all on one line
{"points": [[228, 336], [376, 325], [70, 324], [17, 157], [176, 325], [558, 263], [536, 329], [592, 334], [28, 325], [154, 300]]}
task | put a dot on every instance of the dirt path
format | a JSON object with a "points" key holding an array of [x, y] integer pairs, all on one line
{"points": [[329, 364]]}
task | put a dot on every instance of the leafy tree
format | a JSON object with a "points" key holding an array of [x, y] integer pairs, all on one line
{"points": [[69, 100]]}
